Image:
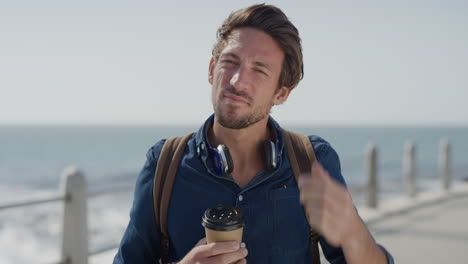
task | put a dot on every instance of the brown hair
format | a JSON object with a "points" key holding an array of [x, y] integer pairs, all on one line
{"points": [[274, 22]]}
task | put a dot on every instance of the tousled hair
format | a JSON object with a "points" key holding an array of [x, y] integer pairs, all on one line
{"points": [[275, 23]]}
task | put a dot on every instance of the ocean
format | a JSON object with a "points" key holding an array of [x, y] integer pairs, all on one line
{"points": [[33, 157]]}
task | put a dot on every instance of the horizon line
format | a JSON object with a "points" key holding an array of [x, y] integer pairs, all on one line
{"points": [[197, 124]]}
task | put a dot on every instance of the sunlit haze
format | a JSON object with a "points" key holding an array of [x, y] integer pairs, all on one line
{"points": [[145, 62]]}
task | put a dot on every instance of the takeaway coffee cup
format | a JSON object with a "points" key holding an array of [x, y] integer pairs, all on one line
{"points": [[223, 223]]}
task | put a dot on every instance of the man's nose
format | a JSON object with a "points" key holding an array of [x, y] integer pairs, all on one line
{"points": [[240, 80]]}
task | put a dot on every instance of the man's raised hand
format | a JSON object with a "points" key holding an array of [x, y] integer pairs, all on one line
{"points": [[328, 206]]}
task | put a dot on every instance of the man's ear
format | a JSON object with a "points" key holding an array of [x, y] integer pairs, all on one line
{"points": [[211, 70], [281, 95]]}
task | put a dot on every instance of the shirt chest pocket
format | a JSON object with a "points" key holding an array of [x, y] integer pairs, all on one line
{"points": [[290, 227]]}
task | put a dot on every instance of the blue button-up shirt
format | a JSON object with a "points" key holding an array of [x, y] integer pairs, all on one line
{"points": [[276, 229]]}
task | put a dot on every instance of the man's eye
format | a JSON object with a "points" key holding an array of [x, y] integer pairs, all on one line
{"points": [[229, 61], [260, 71]]}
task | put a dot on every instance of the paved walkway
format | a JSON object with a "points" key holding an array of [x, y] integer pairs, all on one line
{"points": [[435, 233]]}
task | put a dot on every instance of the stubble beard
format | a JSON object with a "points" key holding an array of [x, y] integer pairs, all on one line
{"points": [[228, 119]]}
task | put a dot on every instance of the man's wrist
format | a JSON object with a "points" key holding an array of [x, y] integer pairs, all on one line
{"points": [[359, 247], [356, 234]]}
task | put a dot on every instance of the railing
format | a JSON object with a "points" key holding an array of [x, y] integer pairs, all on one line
{"points": [[409, 170], [74, 230], [74, 194]]}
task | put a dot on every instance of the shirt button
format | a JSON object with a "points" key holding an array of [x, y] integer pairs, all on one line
{"points": [[241, 198]]}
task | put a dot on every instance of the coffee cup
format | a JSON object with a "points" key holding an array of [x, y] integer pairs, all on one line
{"points": [[223, 223]]}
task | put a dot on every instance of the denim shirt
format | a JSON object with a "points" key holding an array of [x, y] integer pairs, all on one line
{"points": [[276, 229]]}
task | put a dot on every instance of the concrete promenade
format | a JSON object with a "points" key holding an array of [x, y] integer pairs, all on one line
{"points": [[432, 228]]}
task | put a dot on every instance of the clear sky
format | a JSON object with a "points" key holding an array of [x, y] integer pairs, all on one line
{"points": [[399, 62]]}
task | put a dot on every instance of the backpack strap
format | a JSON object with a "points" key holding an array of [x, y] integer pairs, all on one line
{"points": [[301, 156], [164, 176]]}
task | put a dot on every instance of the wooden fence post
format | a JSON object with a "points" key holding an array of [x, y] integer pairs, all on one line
{"points": [[75, 220], [444, 163], [371, 171], [409, 168]]}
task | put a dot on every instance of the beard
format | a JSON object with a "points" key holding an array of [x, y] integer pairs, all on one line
{"points": [[229, 121], [227, 117]]}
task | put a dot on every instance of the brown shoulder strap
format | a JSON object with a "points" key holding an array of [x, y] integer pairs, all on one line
{"points": [[164, 175], [300, 152], [301, 156]]}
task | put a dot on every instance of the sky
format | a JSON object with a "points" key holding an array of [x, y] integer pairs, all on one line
{"points": [[100, 62]]}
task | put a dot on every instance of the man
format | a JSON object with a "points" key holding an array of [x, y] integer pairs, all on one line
{"points": [[256, 63]]}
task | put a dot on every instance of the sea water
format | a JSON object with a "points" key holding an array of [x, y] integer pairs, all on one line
{"points": [[32, 159]]}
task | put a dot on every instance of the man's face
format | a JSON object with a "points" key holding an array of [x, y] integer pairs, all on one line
{"points": [[245, 78]]}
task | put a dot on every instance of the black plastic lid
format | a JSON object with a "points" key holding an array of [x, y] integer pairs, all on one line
{"points": [[223, 218]]}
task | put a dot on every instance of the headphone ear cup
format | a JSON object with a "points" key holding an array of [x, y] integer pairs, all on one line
{"points": [[269, 155], [226, 159]]}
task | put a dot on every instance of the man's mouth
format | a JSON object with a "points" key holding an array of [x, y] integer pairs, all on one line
{"points": [[235, 99]]}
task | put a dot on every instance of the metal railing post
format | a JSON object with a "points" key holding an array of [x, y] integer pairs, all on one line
{"points": [[444, 163], [409, 168], [371, 171], [75, 220]]}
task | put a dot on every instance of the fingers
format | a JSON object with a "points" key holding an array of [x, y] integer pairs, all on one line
{"points": [[201, 242], [216, 253], [318, 174], [218, 248], [328, 205], [237, 256], [320, 181], [242, 261], [326, 197]]}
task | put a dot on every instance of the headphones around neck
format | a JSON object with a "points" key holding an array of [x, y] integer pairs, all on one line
{"points": [[223, 161]]}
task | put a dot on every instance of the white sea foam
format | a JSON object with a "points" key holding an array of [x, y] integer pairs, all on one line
{"points": [[32, 234], [28, 234]]}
